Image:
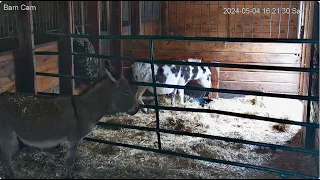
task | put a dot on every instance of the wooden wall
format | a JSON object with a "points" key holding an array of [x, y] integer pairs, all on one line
{"points": [[44, 63], [203, 18], [242, 53], [48, 64]]}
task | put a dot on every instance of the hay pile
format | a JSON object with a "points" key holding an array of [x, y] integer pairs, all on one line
{"points": [[104, 161]]}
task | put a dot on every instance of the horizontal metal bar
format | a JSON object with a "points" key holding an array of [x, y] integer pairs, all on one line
{"points": [[175, 62], [61, 75], [241, 66], [273, 146], [286, 96], [49, 94], [183, 38], [213, 160], [277, 120]]}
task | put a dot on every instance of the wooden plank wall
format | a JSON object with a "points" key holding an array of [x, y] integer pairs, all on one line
{"points": [[201, 18], [204, 18], [48, 64], [274, 54]]}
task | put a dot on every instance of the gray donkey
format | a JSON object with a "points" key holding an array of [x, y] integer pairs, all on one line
{"points": [[46, 121]]}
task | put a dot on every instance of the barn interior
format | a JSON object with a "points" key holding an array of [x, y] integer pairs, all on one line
{"points": [[277, 20]]}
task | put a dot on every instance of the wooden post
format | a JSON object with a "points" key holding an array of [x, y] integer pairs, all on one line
{"points": [[65, 44], [116, 29], [307, 133], [135, 17], [24, 60], [164, 18], [94, 19], [24, 56]]}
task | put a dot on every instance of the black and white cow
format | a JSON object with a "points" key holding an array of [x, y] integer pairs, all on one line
{"points": [[172, 75]]}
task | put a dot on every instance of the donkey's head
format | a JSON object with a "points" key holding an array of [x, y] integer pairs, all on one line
{"points": [[123, 99], [204, 75]]}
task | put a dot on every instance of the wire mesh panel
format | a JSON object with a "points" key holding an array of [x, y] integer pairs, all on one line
{"points": [[248, 19]]}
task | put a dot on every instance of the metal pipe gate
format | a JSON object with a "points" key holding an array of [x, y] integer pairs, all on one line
{"points": [[158, 130]]}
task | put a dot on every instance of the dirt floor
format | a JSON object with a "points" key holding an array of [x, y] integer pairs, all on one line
{"points": [[101, 161]]}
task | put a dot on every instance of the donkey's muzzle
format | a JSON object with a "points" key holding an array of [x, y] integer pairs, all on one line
{"points": [[134, 110]]}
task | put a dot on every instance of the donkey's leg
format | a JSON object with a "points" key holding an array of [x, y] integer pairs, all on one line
{"points": [[173, 97], [181, 95], [139, 93], [7, 137], [71, 155]]}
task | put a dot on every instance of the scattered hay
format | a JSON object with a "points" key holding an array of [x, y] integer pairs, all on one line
{"points": [[253, 101], [103, 161], [279, 127]]}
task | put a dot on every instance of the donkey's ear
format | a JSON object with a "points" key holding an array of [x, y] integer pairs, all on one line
{"points": [[112, 70]]}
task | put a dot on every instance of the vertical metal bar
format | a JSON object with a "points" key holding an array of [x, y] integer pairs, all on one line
{"points": [[261, 20], [2, 15], [253, 26], [155, 93], [244, 5], [280, 19], [193, 18], [176, 17], [185, 17], [152, 12], [43, 17], [52, 15], [218, 19], [79, 14], [235, 19], [12, 31], [54, 19], [38, 24], [270, 27], [145, 17], [49, 15], [73, 14], [209, 18], [160, 18], [200, 18], [169, 19], [288, 30], [83, 16]]}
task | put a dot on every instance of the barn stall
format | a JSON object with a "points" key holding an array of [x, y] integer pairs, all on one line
{"points": [[193, 19]]}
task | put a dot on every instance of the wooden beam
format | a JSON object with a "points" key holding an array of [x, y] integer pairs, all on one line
{"points": [[24, 60], [164, 18], [135, 17], [307, 133], [24, 56], [116, 29], [94, 9], [65, 44]]}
